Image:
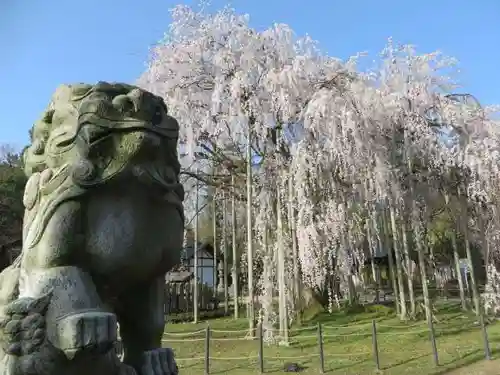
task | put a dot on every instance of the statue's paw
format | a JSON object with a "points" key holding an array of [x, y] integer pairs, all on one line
{"points": [[92, 331], [23, 325], [159, 362]]}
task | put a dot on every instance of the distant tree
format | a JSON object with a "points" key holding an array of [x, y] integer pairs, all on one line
{"points": [[12, 181]]}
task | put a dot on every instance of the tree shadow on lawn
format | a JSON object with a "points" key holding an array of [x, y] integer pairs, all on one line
{"points": [[338, 340], [456, 363], [456, 318], [247, 365], [349, 317], [347, 365], [192, 364], [308, 364], [470, 328], [472, 357], [456, 331], [271, 367], [406, 361], [226, 370], [449, 307]]}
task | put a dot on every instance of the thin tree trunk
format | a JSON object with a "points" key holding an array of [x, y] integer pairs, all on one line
{"points": [[268, 287], [251, 312], [346, 243], [475, 293], [392, 273], [399, 267], [224, 251], [372, 261], [283, 318], [456, 258], [409, 263], [195, 249], [214, 223], [369, 236], [376, 228], [295, 254], [432, 263], [417, 222], [235, 255]]}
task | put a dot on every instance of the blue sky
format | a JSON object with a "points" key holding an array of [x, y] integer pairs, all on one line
{"points": [[46, 43]]}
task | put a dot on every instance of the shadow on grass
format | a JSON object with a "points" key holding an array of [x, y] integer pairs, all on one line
{"points": [[308, 365], [449, 307], [193, 364], [226, 370], [352, 316], [331, 341], [272, 367], [244, 365], [278, 369], [406, 361], [329, 366], [457, 331], [347, 365], [464, 328], [473, 357]]}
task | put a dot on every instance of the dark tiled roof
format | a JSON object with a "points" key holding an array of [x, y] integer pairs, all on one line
{"points": [[189, 250]]}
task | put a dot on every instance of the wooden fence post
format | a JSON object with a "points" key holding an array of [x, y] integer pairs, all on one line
{"points": [[375, 345], [321, 353], [261, 349], [207, 350], [487, 351], [432, 335]]}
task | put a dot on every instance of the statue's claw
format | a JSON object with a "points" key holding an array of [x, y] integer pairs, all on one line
{"points": [[24, 337], [23, 325], [159, 362]]}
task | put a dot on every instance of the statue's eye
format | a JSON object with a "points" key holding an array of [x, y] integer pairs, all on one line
{"points": [[157, 116]]}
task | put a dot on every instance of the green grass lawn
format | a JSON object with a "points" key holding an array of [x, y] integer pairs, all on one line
{"points": [[404, 348]]}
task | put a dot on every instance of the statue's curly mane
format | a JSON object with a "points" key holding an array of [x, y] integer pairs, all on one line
{"points": [[91, 133], [79, 119]]}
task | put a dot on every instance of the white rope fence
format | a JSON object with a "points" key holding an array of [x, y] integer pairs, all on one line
{"points": [[369, 329]]}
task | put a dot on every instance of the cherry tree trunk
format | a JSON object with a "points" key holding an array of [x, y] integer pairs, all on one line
{"points": [[235, 255], [283, 314], [465, 226], [195, 249], [456, 260], [409, 271], [392, 273], [371, 245], [419, 242], [224, 252], [295, 255], [214, 228], [250, 310], [399, 267]]}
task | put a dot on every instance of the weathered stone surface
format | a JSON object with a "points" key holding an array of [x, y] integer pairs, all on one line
{"points": [[103, 224]]}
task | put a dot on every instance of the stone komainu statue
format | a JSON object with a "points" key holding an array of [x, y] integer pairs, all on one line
{"points": [[103, 223]]}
